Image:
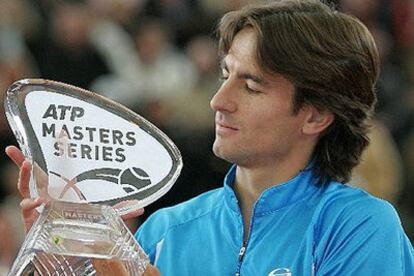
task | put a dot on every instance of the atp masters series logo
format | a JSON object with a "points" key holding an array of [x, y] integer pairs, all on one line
{"points": [[74, 141], [77, 141]]}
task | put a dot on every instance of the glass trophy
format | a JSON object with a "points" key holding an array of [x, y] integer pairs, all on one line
{"points": [[93, 160]]}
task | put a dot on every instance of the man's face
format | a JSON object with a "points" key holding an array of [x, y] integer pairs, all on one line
{"points": [[255, 124]]}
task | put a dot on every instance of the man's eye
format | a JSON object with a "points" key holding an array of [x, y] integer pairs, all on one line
{"points": [[250, 90]]}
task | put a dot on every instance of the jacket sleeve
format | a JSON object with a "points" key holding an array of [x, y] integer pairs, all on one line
{"points": [[363, 238], [151, 233], [145, 243]]}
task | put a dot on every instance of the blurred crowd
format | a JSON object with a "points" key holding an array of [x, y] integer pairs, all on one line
{"points": [[159, 58]]}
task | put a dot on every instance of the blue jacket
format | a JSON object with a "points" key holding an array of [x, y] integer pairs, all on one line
{"points": [[297, 228]]}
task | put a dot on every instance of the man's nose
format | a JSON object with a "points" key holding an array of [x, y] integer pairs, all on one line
{"points": [[225, 99]]}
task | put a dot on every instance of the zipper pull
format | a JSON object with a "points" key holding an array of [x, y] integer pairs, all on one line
{"points": [[241, 255], [242, 251]]}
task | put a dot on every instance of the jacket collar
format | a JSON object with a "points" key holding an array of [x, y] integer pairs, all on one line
{"points": [[276, 197]]}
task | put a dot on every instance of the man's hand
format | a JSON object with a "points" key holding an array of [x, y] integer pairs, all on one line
{"points": [[115, 267], [28, 205], [151, 271]]}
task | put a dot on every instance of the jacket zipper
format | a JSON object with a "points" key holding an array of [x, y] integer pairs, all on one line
{"points": [[241, 256], [242, 251]]}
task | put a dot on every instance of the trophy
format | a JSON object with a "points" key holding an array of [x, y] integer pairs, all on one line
{"points": [[93, 160]]}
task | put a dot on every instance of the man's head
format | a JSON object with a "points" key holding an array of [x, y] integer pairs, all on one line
{"points": [[331, 60]]}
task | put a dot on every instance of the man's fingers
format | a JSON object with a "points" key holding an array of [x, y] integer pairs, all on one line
{"points": [[28, 205], [29, 214], [109, 267], [115, 267], [125, 204], [151, 271], [18, 158], [133, 214], [15, 155], [24, 178]]}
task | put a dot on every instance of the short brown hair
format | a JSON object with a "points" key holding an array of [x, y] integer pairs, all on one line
{"points": [[332, 60]]}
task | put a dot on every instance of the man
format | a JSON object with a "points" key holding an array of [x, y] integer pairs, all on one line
{"points": [[298, 86]]}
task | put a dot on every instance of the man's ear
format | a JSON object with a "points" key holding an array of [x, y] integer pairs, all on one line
{"points": [[317, 121]]}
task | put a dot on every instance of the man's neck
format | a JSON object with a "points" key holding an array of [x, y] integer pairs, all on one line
{"points": [[250, 182]]}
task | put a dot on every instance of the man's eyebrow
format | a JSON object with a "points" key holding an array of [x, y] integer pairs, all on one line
{"points": [[245, 76]]}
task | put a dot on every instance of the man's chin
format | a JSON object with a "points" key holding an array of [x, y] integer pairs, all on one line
{"points": [[221, 153]]}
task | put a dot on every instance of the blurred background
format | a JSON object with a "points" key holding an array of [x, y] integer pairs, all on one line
{"points": [[158, 57]]}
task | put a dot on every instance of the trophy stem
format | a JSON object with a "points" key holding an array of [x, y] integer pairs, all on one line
{"points": [[79, 239]]}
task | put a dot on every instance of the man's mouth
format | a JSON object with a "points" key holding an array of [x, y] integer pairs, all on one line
{"points": [[223, 128]]}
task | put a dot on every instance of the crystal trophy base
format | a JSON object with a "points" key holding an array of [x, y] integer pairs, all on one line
{"points": [[79, 239]]}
